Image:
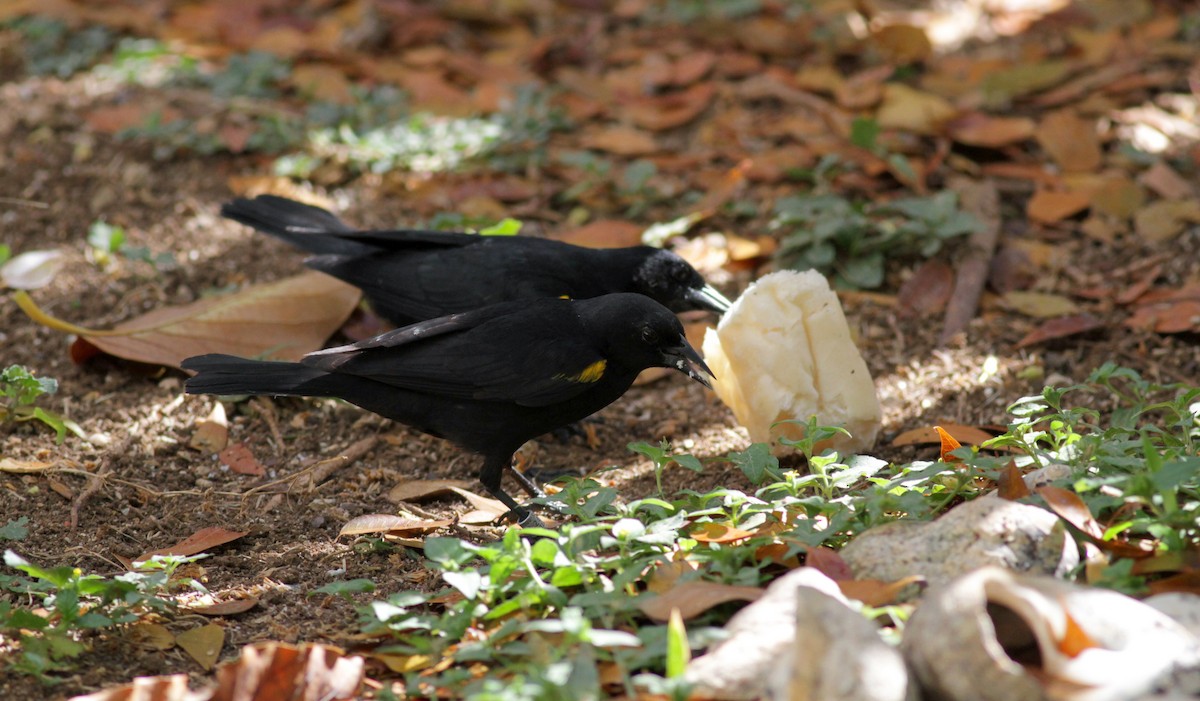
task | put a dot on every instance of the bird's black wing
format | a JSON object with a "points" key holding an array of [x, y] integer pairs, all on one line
{"points": [[526, 358], [406, 239]]}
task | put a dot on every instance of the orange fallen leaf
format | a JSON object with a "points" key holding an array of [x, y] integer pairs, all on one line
{"points": [[662, 112], [240, 459], [389, 523], [282, 320], [694, 598], [110, 120], [282, 671], [1050, 206], [987, 131], [1166, 317], [198, 542], [604, 233], [876, 592], [623, 141], [1070, 140], [949, 445], [719, 533], [226, 608], [203, 644], [1053, 329]]}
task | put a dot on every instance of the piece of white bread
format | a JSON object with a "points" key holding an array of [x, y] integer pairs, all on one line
{"points": [[784, 351]]}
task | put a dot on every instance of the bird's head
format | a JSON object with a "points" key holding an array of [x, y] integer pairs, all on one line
{"points": [[671, 281], [645, 334]]}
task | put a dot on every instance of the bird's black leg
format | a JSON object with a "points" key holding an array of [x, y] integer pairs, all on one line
{"points": [[527, 484], [490, 476]]}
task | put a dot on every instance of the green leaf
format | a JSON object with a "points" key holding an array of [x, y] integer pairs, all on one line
{"points": [[15, 530], [691, 462], [679, 652], [504, 227], [5, 253], [468, 582], [757, 463], [864, 133], [18, 384], [346, 588], [105, 237]]}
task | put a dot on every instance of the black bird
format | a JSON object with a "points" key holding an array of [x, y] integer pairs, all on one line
{"points": [[488, 379], [411, 275]]}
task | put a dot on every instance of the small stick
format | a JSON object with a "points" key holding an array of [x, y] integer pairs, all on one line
{"points": [[982, 200]]}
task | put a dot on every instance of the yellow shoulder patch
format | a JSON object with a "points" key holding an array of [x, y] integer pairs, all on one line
{"points": [[591, 373]]}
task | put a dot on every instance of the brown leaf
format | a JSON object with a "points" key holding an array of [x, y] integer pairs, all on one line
{"points": [[1166, 317], [239, 458], [903, 43], [1011, 484], [1041, 305], [965, 435], [692, 66], [415, 490], [623, 141], [979, 129], [694, 598], [203, 644], [165, 688], [909, 109], [1165, 219], [1071, 509], [671, 110], [226, 608], [665, 575], [828, 562], [876, 592], [1070, 140], [1051, 206], [485, 507], [1166, 182], [322, 82], [389, 523], [24, 466], [927, 291], [281, 671], [110, 120], [198, 542], [719, 533], [604, 233], [1184, 582], [282, 320], [151, 635], [1054, 329]]}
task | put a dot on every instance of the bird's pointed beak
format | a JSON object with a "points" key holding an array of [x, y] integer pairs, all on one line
{"points": [[688, 361], [709, 298]]}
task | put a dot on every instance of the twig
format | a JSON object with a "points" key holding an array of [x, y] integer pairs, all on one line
{"points": [[22, 202], [322, 470], [982, 200], [267, 409], [96, 481]]}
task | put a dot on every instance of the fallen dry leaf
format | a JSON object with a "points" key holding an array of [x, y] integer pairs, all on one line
{"points": [[281, 671], [282, 320], [212, 433], [1119, 197], [151, 635], [225, 608], [1042, 305], [662, 112], [240, 459], [828, 562], [1071, 509], [984, 130], [912, 110], [1052, 206], [1011, 484], [694, 598], [1166, 317], [198, 542], [1053, 329], [1166, 182], [876, 592], [902, 43], [1070, 140], [32, 269], [604, 233], [115, 118], [15, 466], [203, 644], [414, 490], [927, 291], [620, 140], [719, 533], [928, 435], [949, 445], [389, 523], [1165, 219]]}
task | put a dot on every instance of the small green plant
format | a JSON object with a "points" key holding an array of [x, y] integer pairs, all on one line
{"points": [[20, 389], [107, 240], [854, 240], [70, 605], [15, 530], [50, 47]]}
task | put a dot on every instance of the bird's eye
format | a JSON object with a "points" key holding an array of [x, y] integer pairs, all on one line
{"points": [[649, 335]]}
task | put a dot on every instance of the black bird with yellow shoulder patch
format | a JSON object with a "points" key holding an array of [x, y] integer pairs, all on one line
{"points": [[488, 379], [412, 275]]}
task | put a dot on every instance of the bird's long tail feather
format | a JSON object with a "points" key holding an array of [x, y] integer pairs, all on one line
{"points": [[299, 224], [226, 374]]}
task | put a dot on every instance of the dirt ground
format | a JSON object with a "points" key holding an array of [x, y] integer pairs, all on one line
{"points": [[56, 178]]}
